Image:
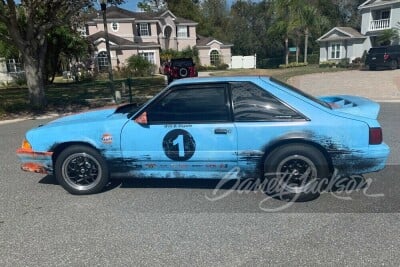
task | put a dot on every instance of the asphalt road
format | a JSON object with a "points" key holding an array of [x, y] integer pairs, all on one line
{"points": [[168, 222]]}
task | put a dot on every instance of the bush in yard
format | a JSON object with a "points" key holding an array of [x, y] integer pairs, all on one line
{"points": [[138, 66]]}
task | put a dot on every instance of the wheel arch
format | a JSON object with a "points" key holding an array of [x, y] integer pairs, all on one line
{"points": [[58, 148], [269, 148]]}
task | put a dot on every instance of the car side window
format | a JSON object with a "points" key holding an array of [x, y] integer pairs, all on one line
{"points": [[191, 104], [251, 103]]}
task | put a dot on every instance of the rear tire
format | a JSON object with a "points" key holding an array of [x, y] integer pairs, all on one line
{"points": [[81, 170], [293, 172]]}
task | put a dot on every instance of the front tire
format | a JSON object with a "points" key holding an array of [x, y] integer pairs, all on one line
{"points": [[81, 170], [294, 171]]}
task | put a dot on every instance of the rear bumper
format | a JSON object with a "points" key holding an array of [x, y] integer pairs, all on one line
{"points": [[38, 162], [372, 159]]}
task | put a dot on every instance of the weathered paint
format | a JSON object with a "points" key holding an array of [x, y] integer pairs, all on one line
{"points": [[39, 162], [138, 149]]}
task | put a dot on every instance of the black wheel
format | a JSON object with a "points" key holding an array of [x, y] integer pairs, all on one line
{"points": [[393, 64], [293, 172], [81, 170], [183, 72]]}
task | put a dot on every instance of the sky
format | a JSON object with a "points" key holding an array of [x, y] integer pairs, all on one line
{"points": [[130, 5]]}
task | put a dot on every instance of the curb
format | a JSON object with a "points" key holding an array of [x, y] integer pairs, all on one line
{"points": [[41, 117]]}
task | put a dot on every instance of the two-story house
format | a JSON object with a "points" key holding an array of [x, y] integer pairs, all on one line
{"points": [[347, 43], [146, 34]]}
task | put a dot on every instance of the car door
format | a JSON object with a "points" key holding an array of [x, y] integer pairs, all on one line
{"points": [[186, 132]]}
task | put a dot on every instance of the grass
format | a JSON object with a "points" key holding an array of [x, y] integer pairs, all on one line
{"points": [[64, 96]]}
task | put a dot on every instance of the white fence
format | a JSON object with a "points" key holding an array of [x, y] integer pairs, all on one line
{"points": [[243, 62]]}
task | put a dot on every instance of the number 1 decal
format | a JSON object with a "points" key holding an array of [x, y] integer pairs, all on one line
{"points": [[179, 145]]}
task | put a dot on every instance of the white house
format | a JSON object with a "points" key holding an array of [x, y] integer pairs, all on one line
{"points": [[347, 43]]}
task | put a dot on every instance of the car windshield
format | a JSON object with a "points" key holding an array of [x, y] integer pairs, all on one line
{"points": [[300, 92], [377, 50]]}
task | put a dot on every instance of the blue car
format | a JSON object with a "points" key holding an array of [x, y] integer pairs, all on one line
{"points": [[209, 128]]}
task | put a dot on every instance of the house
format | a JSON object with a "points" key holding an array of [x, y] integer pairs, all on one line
{"points": [[347, 43], [147, 34]]}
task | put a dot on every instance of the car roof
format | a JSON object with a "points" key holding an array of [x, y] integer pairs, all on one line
{"points": [[213, 79]]}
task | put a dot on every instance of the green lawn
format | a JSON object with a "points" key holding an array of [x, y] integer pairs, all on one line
{"points": [[62, 96], [65, 96]]}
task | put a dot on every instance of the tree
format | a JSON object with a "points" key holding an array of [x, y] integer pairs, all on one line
{"points": [[187, 9], [284, 22], [152, 5], [64, 44], [28, 24], [307, 17], [214, 20], [248, 29], [387, 36]]}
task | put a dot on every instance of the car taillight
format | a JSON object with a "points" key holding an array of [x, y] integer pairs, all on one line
{"points": [[375, 136], [385, 56]]}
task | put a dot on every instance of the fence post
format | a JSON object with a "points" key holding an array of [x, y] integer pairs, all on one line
{"points": [[130, 89]]}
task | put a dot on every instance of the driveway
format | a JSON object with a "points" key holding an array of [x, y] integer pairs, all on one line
{"points": [[378, 85]]}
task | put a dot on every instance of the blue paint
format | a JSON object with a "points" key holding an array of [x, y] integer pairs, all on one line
{"points": [[138, 150]]}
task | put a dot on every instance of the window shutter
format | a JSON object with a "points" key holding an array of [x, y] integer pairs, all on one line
{"points": [[138, 29], [149, 27], [187, 31]]}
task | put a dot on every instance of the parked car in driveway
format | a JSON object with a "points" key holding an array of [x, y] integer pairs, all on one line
{"points": [[383, 57], [179, 68], [204, 128]]}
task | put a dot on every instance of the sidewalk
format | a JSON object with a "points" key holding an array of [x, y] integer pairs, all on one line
{"points": [[381, 86]]}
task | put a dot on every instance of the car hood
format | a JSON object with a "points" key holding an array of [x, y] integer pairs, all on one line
{"points": [[86, 117], [354, 105]]}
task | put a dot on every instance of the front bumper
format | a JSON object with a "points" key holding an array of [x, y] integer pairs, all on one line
{"points": [[38, 162]]}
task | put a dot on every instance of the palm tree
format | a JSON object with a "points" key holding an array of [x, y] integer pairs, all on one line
{"points": [[307, 17], [285, 21], [387, 36]]}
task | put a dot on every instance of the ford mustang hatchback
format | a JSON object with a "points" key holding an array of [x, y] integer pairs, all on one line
{"points": [[206, 127]]}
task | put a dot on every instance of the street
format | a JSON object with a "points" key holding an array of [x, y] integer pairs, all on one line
{"points": [[176, 222]]}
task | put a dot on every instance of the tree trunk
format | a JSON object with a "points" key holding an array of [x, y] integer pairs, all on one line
{"points": [[305, 45], [34, 64], [287, 51]]}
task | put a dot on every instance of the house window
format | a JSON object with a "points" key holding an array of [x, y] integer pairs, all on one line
{"points": [[149, 56], [385, 14], [144, 29], [214, 58], [115, 26], [335, 51], [13, 66], [102, 61], [182, 31]]}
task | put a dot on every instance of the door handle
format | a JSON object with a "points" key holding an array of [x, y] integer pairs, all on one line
{"points": [[221, 131]]}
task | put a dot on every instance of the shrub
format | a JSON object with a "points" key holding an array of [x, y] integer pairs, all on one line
{"points": [[138, 66], [292, 65], [327, 64]]}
